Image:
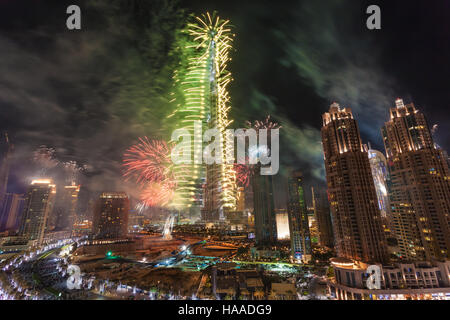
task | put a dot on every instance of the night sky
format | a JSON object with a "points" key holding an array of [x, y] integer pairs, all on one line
{"points": [[91, 93]]}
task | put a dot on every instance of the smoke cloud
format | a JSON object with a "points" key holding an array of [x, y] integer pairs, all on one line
{"points": [[88, 94], [333, 52]]}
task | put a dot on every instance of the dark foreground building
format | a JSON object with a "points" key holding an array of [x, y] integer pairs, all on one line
{"points": [[323, 217], [111, 216], [264, 211], [298, 218]]}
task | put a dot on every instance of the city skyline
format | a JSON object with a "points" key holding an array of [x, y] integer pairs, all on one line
{"points": [[276, 98], [183, 150]]}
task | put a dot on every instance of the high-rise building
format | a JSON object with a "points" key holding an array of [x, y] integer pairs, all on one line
{"points": [[12, 206], [4, 174], [282, 218], [203, 102], [38, 205], [420, 186], [380, 174], [323, 217], [240, 199], [238, 219], [312, 223], [264, 210], [66, 206], [356, 217], [111, 216], [298, 218]]}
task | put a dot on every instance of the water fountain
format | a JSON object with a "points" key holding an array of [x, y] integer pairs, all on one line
{"points": [[168, 226]]}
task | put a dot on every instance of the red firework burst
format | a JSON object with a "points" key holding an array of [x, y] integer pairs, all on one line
{"points": [[244, 173], [149, 163], [149, 160], [157, 194]]}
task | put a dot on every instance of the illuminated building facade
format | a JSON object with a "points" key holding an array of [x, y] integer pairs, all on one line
{"points": [[39, 202], [264, 210], [354, 205], [240, 199], [312, 223], [82, 228], [298, 218], [111, 216], [403, 281], [203, 102], [323, 217], [282, 219], [420, 190], [380, 174]]}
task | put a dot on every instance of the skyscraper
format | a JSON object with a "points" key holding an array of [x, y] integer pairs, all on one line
{"points": [[240, 199], [323, 217], [4, 174], [203, 102], [111, 216], [298, 218], [12, 206], [420, 190], [380, 174], [264, 210], [357, 220], [38, 205], [282, 218], [65, 208]]}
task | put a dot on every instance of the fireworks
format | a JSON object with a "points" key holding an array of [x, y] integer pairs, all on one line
{"points": [[201, 82], [72, 169], [263, 150], [149, 163], [157, 194], [264, 124], [244, 173], [45, 158], [141, 207]]}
